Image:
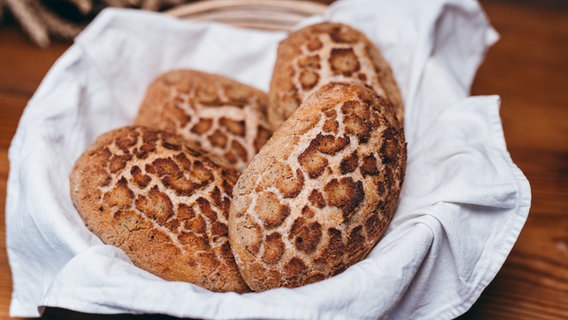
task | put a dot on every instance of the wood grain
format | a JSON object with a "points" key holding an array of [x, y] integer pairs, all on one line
{"points": [[22, 66], [528, 68]]}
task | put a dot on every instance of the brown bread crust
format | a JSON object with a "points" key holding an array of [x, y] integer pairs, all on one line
{"points": [[321, 192], [327, 52], [164, 204], [224, 117]]}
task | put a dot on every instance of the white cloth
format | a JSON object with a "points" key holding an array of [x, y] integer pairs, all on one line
{"points": [[462, 207]]}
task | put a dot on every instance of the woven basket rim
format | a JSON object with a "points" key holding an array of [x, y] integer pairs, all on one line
{"points": [[254, 14]]}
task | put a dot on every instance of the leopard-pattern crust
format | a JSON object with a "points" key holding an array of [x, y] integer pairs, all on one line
{"points": [[214, 113], [321, 192], [313, 56], [164, 204]]}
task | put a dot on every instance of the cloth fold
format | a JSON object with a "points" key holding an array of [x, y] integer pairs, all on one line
{"points": [[462, 206]]}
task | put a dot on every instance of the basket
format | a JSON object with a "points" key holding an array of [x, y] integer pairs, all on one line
{"points": [[275, 15]]}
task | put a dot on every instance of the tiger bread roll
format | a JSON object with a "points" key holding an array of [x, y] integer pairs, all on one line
{"points": [[321, 53], [321, 192], [164, 204], [212, 112]]}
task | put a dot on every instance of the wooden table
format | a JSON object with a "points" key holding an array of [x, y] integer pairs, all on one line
{"points": [[528, 68]]}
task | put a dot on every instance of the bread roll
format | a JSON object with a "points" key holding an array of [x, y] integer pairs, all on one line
{"points": [[164, 204], [212, 112], [321, 192], [318, 54]]}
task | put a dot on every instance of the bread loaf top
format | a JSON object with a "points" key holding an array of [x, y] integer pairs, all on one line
{"points": [[321, 192], [163, 204], [326, 52], [219, 115]]}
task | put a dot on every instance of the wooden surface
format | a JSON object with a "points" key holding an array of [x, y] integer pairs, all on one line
{"points": [[528, 68]]}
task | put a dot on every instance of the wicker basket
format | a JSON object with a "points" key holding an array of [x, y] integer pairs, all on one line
{"points": [[256, 14]]}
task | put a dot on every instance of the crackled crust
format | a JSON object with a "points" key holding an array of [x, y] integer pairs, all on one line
{"points": [[326, 52], [214, 113], [321, 192], [164, 204]]}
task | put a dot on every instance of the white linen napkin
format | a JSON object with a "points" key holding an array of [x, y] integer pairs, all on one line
{"points": [[462, 207]]}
